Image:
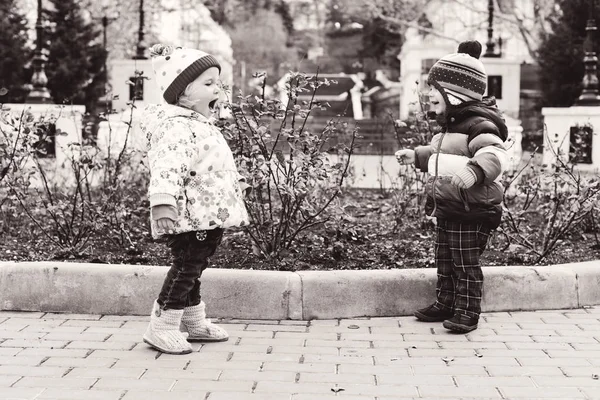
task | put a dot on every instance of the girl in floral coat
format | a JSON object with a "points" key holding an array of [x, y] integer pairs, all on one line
{"points": [[195, 192]]}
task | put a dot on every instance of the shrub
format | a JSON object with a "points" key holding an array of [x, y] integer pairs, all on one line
{"points": [[295, 174]]}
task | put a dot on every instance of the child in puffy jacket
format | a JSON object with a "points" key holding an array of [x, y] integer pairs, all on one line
{"points": [[464, 194], [195, 192]]}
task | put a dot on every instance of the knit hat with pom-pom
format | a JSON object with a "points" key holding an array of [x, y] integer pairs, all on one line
{"points": [[460, 76], [176, 67]]}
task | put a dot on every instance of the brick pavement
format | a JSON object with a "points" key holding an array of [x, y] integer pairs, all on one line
{"points": [[516, 355]]}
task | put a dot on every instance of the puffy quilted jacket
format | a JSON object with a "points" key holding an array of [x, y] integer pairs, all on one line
{"points": [[473, 137], [191, 169]]}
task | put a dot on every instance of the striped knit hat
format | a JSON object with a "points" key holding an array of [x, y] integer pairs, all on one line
{"points": [[460, 76], [175, 68]]}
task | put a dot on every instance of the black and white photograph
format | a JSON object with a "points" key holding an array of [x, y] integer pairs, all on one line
{"points": [[299, 199]]}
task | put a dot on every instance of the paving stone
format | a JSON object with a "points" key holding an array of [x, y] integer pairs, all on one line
{"points": [[257, 376], [472, 345], [454, 370], [276, 328], [164, 395], [494, 381], [55, 329], [239, 356], [397, 379], [512, 371], [251, 365], [65, 383], [186, 385], [11, 351], [564, 381], [134, 363], [272, 341], [373, 369], [40, 351], [94, 323], [253, 396], [311, 377], [337, 343], [86, 344], [50, 372], [547, 361], [541, 393], [79, 362], [21, 360], [23, 335], [68, 336], [72, 316], [295, 335], [98, 372], [475, 392], [11, 393], [580, 371], [396, 344], [304, 367], [8, 380], [177, 374], [49, 344], [143, 318], [92, 394], [139, 384]]}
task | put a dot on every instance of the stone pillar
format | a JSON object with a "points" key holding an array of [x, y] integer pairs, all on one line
{"points": [[559, 123], [68, 122], [122, 72]]}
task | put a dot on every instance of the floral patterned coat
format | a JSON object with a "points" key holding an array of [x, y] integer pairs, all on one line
{"points": [[191, 169]]}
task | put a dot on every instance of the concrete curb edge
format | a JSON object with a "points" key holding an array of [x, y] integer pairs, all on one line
{"points": [[247, 294]]}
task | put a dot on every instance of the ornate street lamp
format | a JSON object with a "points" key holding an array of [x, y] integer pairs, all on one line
{"points": [[141, 45], [589, 96], [39, 93], [490, 45]]}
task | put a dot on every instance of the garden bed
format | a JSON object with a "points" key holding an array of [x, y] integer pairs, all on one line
{"points": [[364, 236]]}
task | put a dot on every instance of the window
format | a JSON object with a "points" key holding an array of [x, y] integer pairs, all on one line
{"points": [[89, 132], [580, 144], [136, 91], [426, 65], [494, 86], [45, 147]]}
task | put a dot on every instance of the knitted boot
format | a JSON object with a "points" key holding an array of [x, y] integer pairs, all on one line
{"points": [[163, 331], [199, 328]]}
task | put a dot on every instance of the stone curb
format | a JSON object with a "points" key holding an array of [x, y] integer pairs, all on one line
{"points": [[272, 295]]}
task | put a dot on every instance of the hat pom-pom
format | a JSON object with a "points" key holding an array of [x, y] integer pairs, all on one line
{"points": [[470, 47], [159, 50]]}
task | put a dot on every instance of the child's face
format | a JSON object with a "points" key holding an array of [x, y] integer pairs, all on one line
{"points": [[437, 101], [202, 93]]}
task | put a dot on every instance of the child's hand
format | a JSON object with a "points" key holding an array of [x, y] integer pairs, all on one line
{"points": [[405, 156], [465, 178], [166, 224]]}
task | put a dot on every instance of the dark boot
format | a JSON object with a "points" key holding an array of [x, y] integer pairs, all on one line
{"points": [[461, 323], [433, 314]]}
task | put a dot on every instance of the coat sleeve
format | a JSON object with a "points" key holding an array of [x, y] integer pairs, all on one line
{"points": [[422, 154], [489, 156], [170, 156]]}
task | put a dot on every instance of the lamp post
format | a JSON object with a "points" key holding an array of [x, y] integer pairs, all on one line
{"points": [[490, 45], [39, 94], [589, 96], [141, 45]]}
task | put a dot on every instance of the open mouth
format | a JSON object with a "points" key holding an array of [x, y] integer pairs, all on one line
{"points": [[212, 104]]}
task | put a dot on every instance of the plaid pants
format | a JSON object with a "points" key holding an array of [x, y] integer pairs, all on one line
{"points": [[460, 278]]}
